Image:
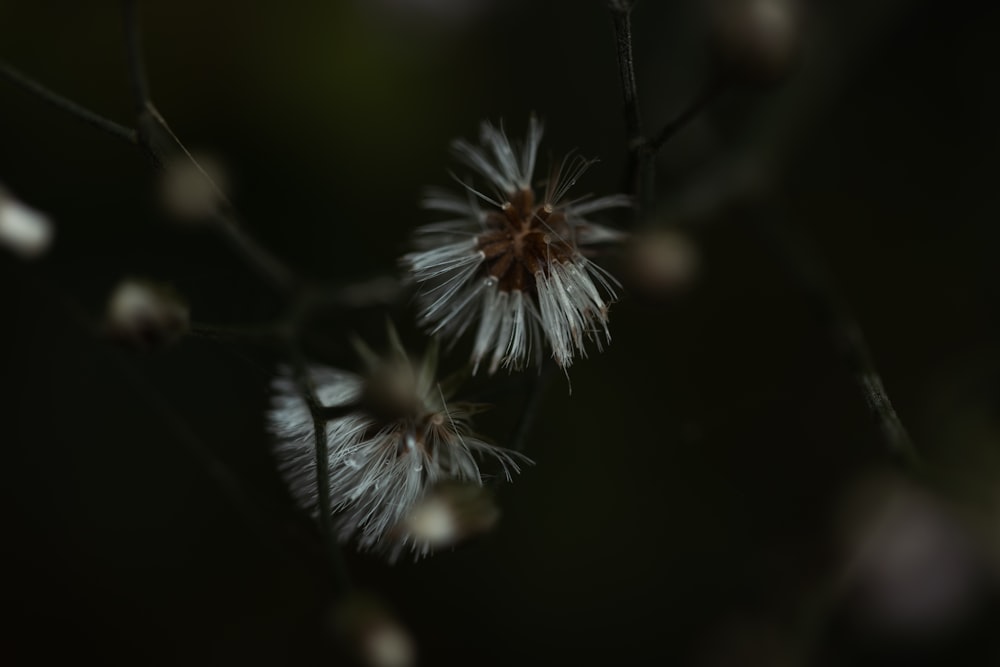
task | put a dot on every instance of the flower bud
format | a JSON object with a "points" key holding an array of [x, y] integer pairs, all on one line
{"points": [[145, 314], [23, 230], [452, 512], [192, 190], [372, 634], [912, 568], [661, 262], [756, 41]]}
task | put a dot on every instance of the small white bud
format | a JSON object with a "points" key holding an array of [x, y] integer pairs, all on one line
{"points": [[23, 230], [662, 262], [452, 512], [192, 190], [146, 314], [372, 634], [756, 40]]}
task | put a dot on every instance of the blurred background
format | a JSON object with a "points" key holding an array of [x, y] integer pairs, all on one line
{"points": [[713, 493]]}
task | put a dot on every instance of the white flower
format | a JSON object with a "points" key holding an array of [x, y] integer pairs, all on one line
{"points": [[396, 440], [509, 263]]}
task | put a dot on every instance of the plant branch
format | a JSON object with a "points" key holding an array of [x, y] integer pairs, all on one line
{"points": [[156, 137], [265, 334], [320, 417], [92, 118], [260, 522], [639, 177], [133, 50], [532, 406], [702, 101], [626, 70], [820, 292]]}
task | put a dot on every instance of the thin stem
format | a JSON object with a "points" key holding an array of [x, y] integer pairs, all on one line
{"points": [[215, 469], [133, 51], [156, 137], [639, 175], [854, 351], [626, 70], [265, 334], [821, 294], [532, 405], [92, 118], [320, 417], [266, 264], [704, 99]]}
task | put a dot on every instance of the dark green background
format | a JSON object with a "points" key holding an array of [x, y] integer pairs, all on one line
{"points": [[684, 502]]}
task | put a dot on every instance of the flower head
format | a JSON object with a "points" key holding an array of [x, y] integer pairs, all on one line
{"points": [[396, 439], [509, 264]]}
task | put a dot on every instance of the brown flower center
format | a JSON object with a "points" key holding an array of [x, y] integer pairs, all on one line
{"points": [[522, 239]]}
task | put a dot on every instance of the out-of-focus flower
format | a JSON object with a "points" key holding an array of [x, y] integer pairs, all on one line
{"points": [[450, 513], [912, 567], [756, 40], [192, 189], [146, 314], [372, 634], [23, 230], [509, 263], [662, 262], [396, 440]]}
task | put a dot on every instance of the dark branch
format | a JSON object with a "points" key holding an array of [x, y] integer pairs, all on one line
{"points": [[639, 176], [820, 292], [532, 405], [265, 334], [705, 98], [69, 106], [324, 509], [133, 52], [160, 142], [626, 70]]}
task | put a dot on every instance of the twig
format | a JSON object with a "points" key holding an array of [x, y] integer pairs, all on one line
{"points": [[154, 132], [92, 118], [532, 404], [704, 99], [265, 334], [133, 52], [622, 17], [210, 464], [639, 177], [151, 122], [320, 417], [820, 292]]}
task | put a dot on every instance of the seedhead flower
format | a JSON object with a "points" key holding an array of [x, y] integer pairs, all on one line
{"points": [[510, 263], [396, 439]]}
